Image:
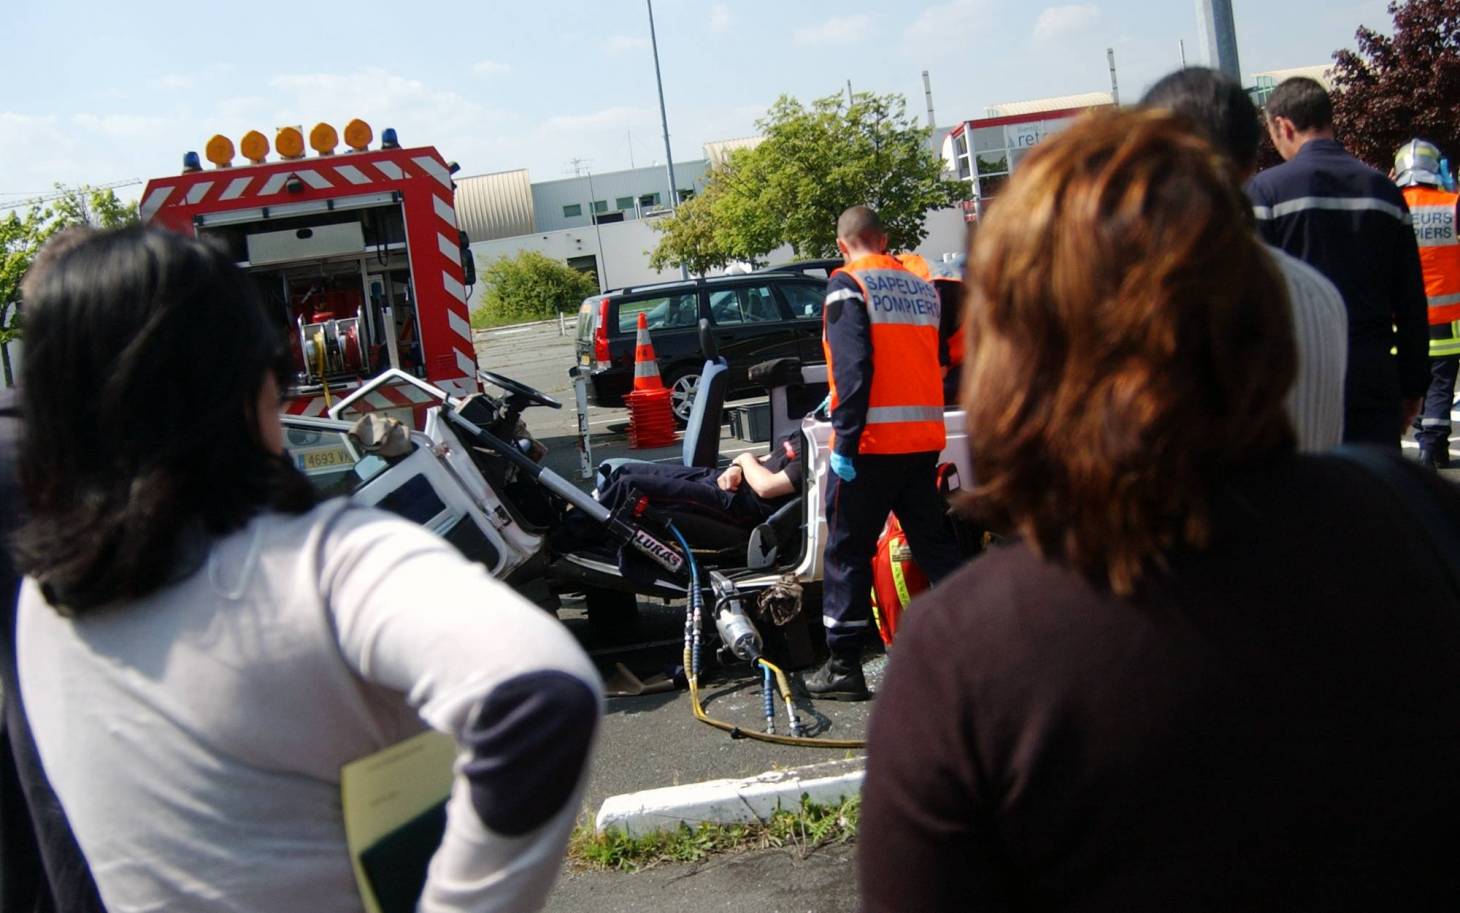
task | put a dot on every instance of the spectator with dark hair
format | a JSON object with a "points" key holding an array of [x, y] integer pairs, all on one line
{"points": [[1350, 222], [43, 867], [1186, 683], [202, 647], [1221, 111]]}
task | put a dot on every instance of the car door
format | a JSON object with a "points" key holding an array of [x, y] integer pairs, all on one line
{"points": [[751, 326], [804, 301]]}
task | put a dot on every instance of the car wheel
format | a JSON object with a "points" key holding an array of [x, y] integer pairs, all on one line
{"points": [[682, 386]]}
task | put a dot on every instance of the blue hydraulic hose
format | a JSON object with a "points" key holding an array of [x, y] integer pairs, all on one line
{"points": [[768, 697], [692, 615]]}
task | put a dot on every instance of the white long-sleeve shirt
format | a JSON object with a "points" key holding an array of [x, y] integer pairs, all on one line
{"points": [[1320, 328], [195, 737]]}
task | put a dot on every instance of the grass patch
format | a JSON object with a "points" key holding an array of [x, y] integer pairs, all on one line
{"points": [[803, 829], [485, 319]]}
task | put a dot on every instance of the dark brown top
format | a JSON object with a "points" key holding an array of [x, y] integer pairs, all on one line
{"points": [[1276, 726]]}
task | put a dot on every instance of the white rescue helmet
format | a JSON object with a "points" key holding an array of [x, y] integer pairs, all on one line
{"points": [[1417, 162]]}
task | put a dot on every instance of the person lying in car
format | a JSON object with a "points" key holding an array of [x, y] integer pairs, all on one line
{"points": [[744, 493]]}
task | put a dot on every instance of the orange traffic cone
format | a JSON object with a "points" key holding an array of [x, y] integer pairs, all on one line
{"points": [[651, 421], [646, 365]]}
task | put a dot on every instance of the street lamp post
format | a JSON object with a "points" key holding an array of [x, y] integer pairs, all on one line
{"points": [[664, 122]]}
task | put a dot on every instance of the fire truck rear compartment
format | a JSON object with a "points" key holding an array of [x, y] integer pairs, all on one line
{"points": [[340, 284]]}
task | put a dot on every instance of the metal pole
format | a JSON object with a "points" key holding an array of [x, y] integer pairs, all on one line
{"points": [[1181, 46], [1114, 88], [597, 235], [585, 439], [1219, 35], [932, 122], [664, 122]]}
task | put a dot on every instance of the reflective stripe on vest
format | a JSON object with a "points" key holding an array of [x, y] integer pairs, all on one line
{"points": [[1443, 346], [1433, 215], [905, 402], [883, 415]]}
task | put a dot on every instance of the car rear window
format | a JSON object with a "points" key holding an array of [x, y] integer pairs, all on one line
{"points": [[805, 299], [662, 312], [585, 319]]}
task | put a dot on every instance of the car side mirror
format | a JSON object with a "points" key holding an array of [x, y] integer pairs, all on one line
{"points": [[468, 262]]}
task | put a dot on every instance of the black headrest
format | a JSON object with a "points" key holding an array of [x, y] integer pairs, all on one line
{"points": [[707, 341], [779, 372]]}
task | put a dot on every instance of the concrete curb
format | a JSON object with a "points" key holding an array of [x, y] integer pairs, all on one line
{"points": [[731, 801]]}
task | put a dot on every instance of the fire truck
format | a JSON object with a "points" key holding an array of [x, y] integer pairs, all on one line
{"points": [[357, 252]]}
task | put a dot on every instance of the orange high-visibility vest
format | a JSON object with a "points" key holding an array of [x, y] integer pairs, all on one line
{"points": [[955, 339], [917, 264], [1433, 212], [905, 403]]}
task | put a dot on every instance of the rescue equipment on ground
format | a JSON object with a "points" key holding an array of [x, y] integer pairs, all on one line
{"points": [[651, 420], [896, 579], [739, 636], [356, 252]]}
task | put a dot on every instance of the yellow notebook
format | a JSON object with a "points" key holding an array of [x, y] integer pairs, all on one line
{"points": [[394, 806]]}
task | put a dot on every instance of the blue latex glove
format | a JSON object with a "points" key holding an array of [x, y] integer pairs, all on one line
{"points": [[1446, 178], [842, 466]]}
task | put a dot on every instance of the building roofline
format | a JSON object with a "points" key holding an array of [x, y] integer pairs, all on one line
{"points": [[978, 122]]}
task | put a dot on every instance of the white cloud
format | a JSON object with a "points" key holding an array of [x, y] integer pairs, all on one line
{"points": [[172, 82], [489, 67], [836, 31], [616, 117], [617, 44], [720, 18], [120, 127], [948, 26], [1058, 21]]}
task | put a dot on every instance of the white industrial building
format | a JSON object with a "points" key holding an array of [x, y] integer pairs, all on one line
{"points": [[506, 212]]}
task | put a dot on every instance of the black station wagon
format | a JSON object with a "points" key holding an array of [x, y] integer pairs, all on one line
{"points": [[755, 317]]}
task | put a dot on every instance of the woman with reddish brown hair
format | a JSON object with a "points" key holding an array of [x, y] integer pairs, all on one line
{"points": [[1207, 673]]}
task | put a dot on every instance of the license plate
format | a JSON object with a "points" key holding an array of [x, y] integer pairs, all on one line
{"points": [[585, 359], [323, 459]]}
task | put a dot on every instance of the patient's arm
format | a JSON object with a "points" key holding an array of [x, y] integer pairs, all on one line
{"points": [[762, 481]]}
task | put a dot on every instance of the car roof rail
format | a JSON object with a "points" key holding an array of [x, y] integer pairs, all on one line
{"points": [[654, 286]]}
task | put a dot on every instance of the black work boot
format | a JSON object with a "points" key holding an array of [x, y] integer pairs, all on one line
{"points": [[1434, 457], [838, 679]]}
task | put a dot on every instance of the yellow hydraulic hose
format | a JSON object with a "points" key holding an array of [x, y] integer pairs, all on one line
{"points": [[320, 365], [800, 741]]}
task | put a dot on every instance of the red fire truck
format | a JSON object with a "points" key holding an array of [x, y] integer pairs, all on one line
{"points": [[358, 252]]}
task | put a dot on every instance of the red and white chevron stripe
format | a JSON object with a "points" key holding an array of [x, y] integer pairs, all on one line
{"points": [[390, 397]]}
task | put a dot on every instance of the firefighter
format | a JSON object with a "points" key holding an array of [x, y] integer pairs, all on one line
{"points": [[950, 321], [1418, 171], [880, 333]]}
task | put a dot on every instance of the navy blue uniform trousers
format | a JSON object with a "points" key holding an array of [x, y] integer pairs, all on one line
{"points": [[670, 486], [856, 511], [1432, 425]]}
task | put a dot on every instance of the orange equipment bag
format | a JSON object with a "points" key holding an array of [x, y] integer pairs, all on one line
{"points": [[896, 578]]}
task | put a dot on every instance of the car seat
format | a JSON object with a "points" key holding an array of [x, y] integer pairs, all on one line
{"points": [[701, 443]]}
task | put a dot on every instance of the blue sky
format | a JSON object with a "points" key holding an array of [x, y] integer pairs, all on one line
{"points": [[104, 91]]}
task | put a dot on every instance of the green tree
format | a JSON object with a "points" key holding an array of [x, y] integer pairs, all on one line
{"points": [[814, 162], [694, 236], [23, 235], [530, 286], [1401, 86]]}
